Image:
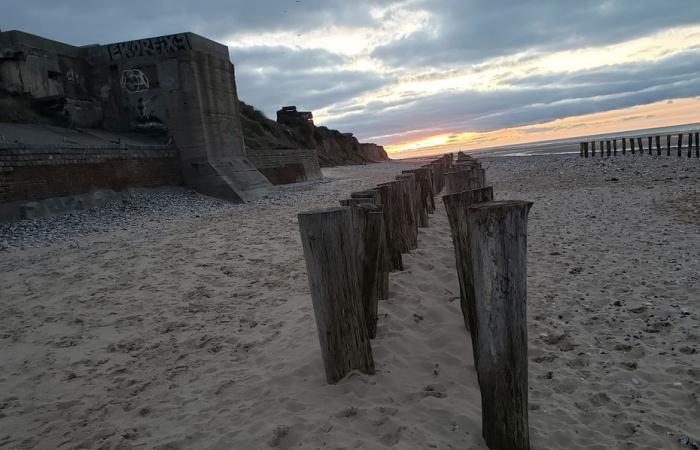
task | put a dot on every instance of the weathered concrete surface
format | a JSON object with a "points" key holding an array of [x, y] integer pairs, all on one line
{"points": [[181, 85]]}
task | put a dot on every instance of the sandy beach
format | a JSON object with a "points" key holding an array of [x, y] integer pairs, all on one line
{"points": [[193, 327]]}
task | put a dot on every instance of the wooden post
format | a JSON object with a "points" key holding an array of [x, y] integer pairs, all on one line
{"points": [[585, 149], [649, 144], [379, 282], [392, 222], [420, 215], [668, 145], [632, 145], [690, 145], [457, 207], [498, 235], [423, 195], [335, 292], [614, 147], [680, 144], [697, 144], [374, 197], [367, 226], [602, 149], [608, 147], [593, 149], [641, 147], [658, 145], [409, 223], [624, 146]]}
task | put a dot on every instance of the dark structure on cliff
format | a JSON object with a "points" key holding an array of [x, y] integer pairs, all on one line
{"points": [[149, 112], [333, 147]]}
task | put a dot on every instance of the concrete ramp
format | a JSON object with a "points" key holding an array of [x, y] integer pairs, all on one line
{"points": [[240, 174]]}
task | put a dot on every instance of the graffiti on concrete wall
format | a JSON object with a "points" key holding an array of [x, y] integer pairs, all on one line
{"points": [[73, 77], [134, 80], [157, 46]]}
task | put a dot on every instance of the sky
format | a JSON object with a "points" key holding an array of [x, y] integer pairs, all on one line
{"points": [[428, 76]]}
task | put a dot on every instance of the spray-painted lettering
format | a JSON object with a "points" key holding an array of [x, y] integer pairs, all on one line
{"points": [[157, 46]]}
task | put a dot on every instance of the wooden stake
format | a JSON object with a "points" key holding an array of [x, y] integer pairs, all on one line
{"points": [[680, 144], [457, 207], [331, 267], [498, 235], [658, 145], [668, 145], [393, 225]]}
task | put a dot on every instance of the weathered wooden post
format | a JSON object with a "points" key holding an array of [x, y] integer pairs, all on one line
{"points": [[624, 146], [409, 222], [457, 208], [593, 149], [614, 147], [632, 145], [602, 149], [668, 145], [367, 227], [372, 254], [392, 222], [335, 292], [680, 144], [690, 145], [658, 145], [580, 145], [585, 149], [641, 147], [422, 195], [649, 144], [697, 144], [415, 199], [498, 235], [608, 147]]}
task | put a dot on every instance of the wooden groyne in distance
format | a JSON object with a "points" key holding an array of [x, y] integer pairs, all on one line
{"points": [[654, 145]]}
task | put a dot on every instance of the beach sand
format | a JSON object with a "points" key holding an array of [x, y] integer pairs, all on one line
{"points": [[194, 329]]}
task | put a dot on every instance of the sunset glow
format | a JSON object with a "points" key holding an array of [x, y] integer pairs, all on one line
{"points": [[660, 114]]}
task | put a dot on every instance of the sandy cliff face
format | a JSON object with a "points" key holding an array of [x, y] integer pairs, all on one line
{"points": [[333, 147]]}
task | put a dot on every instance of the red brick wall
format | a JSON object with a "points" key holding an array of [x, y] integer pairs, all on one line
{"points": [[37, 174]]}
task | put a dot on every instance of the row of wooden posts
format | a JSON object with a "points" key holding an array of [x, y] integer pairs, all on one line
{"points": [[609, 147], [350, 251]]}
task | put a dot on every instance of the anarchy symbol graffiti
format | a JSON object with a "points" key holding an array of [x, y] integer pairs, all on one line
{"points": [[134, 80]]}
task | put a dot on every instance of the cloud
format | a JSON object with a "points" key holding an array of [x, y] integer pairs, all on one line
{"points": [[470, 32], [396, 70]]}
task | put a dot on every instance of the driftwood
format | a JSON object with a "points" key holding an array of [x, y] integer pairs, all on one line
{"points": [[457, 207], [331, 267], [392, 221], [498, 236]]}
